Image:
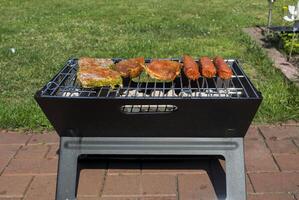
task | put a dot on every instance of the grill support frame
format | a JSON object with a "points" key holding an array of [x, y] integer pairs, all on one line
{"points": [[232, 149]]}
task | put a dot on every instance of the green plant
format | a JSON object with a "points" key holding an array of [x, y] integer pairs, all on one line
{"points": [[287, 42]]}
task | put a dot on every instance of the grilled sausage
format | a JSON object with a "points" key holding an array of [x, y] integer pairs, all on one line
{"points": [[208, 69], [223, 70], [190, 68]]}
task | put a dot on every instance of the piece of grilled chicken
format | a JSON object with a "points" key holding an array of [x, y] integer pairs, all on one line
{"points": [[191, 68], [164, 70], [130, 67], [94, 72], [103, 62]]}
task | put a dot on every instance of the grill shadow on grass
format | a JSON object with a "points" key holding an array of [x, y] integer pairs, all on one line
{"points": [[210, 168]]}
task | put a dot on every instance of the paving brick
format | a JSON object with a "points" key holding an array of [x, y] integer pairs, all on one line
{"points": [[11, 186], [124, 167], [275, 182], [90, 182], [253, 134], [249, 188], [195, 186], [159, 184], [288, 162], [3, 163], [47, 138], [291, 123], [13, 138], [32, 152], [122, 185], [42, 187], [158, 198], [258, 157], [282, 146], [32, 166], [6, 153], [53, 152], [280, 132], [217, 175], [270, 196], [179, 166], [297, 142], [91, 198], [91, 179], [116, 198]]}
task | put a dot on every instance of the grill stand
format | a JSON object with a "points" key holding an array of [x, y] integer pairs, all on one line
{"points": [[72, 147]]}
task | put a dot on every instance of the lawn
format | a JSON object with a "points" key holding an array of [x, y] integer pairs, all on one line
{"points": [[46, 33]]}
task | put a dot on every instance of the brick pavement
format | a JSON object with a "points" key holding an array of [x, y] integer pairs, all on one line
{"points": [[28, 167]]}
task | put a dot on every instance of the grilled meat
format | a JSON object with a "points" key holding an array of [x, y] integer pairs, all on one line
{"points": [[208, 69], [223, 70], [103, 62], [93, 73], [131, 67], [164, 70], [190, 68]]}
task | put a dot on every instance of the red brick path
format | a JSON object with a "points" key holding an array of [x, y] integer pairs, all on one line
{"points": [[28, 166]]}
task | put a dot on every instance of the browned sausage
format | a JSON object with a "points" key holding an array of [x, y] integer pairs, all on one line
{"points": [[190, 68], [208, 69], [223, 70]]}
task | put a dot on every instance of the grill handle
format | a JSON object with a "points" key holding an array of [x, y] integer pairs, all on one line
{"points": [[148, 109]]}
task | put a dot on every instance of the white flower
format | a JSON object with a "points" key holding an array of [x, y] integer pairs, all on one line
{"points": [[12, 50]]}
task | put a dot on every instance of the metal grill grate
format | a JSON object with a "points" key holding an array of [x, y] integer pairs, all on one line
{"points": [[64, 85]]}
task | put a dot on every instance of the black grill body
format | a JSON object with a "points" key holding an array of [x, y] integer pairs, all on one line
{"points": [[194, 109]]}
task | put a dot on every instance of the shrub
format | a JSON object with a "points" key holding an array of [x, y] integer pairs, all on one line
{"points": [[287, 42]]}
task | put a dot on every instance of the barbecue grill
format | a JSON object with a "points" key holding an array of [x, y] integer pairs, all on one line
{"points": [[148, 117]]}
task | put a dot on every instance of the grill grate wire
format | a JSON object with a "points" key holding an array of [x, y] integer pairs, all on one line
{"points": [[64, 84]]}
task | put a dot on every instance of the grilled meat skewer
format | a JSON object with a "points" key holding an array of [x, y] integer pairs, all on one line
{"points": [[208, 69], [191, 69], [223, 70]]}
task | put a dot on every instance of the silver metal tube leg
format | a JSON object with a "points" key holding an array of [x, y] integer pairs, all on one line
{"points": [[235, 173], [67, 173]]}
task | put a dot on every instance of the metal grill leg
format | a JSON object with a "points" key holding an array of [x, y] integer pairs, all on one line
{"points": [[67, 173], [235, 173], [72, 147]]}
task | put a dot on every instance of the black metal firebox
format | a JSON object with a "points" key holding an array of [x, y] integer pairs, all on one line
{"points": [[148, 117], [212, 107]]}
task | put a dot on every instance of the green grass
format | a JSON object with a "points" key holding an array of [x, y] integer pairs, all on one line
{"points": [[46, 33]]}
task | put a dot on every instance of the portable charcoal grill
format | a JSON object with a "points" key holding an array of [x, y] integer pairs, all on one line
{"points": [[148, 117]]}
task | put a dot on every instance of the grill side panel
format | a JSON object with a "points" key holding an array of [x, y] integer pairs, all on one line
{"points": [[76, 117]]}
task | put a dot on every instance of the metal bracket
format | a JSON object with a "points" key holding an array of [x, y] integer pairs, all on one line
{"points": [[72, 147]]}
